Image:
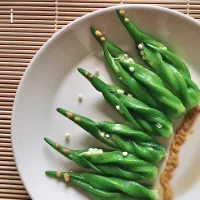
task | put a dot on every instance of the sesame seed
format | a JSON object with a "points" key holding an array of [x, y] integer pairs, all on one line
{"points": [[67, 135], [107, 135], [97, 72], [98, 33], [58, 174], [77, 119], [86, 73], [102, 134], [131, 69], [118, 107], [140, 46], [69, 114], [165, 48], [102, 39], [129, 95], [142, 53], [125, 56], [159, 125], [91, 76], [80, 98], [125, 153], [144, 57], [122, 12], [66, 151], [120, 91], [126, 20], [100, 151], [58, 145], [66, 177], [130, 59]]}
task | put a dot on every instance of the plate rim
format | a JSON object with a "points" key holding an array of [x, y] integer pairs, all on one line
{"points": [[51, 40]]}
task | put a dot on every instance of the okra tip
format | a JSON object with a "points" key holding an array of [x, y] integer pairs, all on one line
{"points": [[85, 73], [61, 111], [50, 142]]}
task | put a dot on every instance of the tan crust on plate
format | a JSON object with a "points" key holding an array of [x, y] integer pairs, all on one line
{"points": [[172, 161]]}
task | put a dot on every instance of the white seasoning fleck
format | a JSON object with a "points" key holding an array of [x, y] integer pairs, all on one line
{"points": [[90, 149], [80, 97], [140, 46], [144, 57], [125, 153], [102, 134], [129, 95], [67, 135], [131, 69], [118, 107], [97, 72], [165, 48], [120, 91], [107, 135], [130, 59], [88, 152], [159, 125], [142, 52], [120, 78], [100, 151], [125, 56]]}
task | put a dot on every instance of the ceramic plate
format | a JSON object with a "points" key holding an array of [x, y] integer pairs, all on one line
{"points": [[52, 80]]}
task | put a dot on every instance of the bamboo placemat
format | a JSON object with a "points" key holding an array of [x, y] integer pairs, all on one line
{"points": [[32, 24]]}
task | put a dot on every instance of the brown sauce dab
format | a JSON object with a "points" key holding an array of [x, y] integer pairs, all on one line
{"points": [[172, 161]]}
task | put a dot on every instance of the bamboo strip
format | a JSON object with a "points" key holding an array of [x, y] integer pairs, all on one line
{"points": [[7, 95], [33, 26], [29, 13], [8, 82], [5, 127], [5, 159], [14, 196], [14, 59], [18, 55], [11, 186], [28, 21], [22, 43], [17, 73], [4, 116], [5, 108], [7, 86], [135, 1], [9, 191], [29, 47], [9, 177], [5, 121], [3, 112], [27, 30], [24, 34], [7, 154], [29, 17], [5, 149], [18, 182], [155, 1], [27, 39], [4, 131], [194, 2], [7, 77], [2, 167], [5, 135], [29, 8], [95, 5], [27, 3], [5, 144]]}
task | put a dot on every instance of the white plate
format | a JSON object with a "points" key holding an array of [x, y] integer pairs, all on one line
{"points": [[52, 80]]}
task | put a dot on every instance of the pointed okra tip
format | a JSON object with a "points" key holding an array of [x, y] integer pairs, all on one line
{"points": [[58, 174], [122, 15], [86, 74], [98, 35]]}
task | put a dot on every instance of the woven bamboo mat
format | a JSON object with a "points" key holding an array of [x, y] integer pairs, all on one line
{"points": [[33, 23]]}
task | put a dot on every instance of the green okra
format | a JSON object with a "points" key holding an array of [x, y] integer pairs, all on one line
{"points": [[109, 162], [120, 136], [140, 115], [145, 85], [103, 187], [168, 66]]}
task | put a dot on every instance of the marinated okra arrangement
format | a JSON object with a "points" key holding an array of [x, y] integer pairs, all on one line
{"points": [[149, 99]]}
